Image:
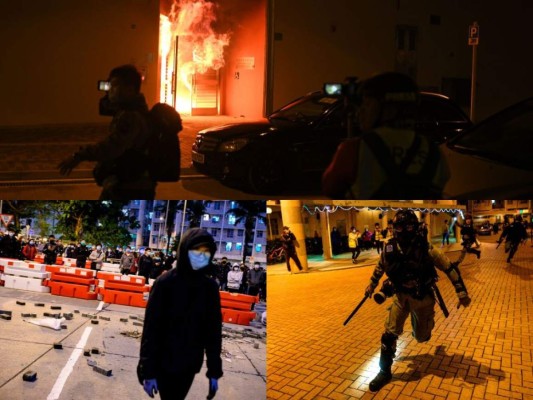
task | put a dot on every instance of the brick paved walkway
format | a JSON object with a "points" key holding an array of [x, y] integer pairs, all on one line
{"points": [[482, 352]]}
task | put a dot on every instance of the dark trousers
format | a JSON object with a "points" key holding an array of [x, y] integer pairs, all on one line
{"points": [[175, 386], [294, 256], [355, 250]]}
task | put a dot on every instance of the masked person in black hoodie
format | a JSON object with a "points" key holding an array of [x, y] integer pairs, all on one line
{"points": [[183, 321]]}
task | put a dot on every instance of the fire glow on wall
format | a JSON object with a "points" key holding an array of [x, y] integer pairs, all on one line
{"points": [[191, 55]]}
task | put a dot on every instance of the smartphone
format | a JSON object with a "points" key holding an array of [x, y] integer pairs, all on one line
{"points": [[104, 86]]}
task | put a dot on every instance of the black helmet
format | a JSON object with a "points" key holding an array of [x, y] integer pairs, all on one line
{"points": [[405, 224], [518, 218]]}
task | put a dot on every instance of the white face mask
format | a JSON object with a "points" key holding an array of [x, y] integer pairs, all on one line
{"points": [[199, 259], [98, 248]]}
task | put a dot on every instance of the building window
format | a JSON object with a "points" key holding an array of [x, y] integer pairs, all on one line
{"points": [[215, 219], [231, 219], [157, 227], [406, 38], [238, 246], [229, 245], [229, 233], [154, 239], [217, 205], [240, 233], [206, 217], [261, 221], [258, 248], [214, 231], [259, 234]]}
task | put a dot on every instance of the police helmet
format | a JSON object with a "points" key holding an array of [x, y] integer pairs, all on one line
{"points": [[405, 221]]}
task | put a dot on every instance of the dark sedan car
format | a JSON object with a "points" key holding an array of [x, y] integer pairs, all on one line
{"points": [[494, 159], [296, 144]]}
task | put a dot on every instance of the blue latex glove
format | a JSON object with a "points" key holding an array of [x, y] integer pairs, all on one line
{"points": [[213, 387], [150, 387]]}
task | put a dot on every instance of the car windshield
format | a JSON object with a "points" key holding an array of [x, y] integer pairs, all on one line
{"points": [[307, 109], [505, 137]]}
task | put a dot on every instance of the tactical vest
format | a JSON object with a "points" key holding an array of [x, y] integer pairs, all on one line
{"points": [[410, 270]]}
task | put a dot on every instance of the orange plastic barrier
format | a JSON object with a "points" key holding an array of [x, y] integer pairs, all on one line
{"points": [[39, 258], [129, 290], [237, 300], [124, 298], [237, 316], [71, 290]]}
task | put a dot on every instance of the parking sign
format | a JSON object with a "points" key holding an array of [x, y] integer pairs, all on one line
{"points": [[473, 34]]}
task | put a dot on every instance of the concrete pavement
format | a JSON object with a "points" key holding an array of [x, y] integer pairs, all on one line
{"points": [[24, 347], [482, 352]]}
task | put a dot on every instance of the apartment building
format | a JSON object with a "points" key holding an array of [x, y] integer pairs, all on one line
{"points": [[228, 233]]}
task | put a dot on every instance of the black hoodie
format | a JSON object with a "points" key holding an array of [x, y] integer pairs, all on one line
{"points": [[183, 318]]}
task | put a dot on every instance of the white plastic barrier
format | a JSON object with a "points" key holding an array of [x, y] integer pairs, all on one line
{"points": [[110, 267], [20, 282], [24, 275]]}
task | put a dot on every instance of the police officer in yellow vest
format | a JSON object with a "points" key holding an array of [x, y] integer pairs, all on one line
{"points": [[409, 262]]}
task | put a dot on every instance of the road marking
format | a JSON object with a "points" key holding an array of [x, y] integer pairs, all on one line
{"points": [[67, 369]]}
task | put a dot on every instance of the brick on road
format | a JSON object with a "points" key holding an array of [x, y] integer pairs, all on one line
{"points": [[482, 352]]}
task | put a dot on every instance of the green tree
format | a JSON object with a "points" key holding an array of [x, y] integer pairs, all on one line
{"points": [[40, 212], [170, 209], [194, 211], [248, 212], [95, 221]]}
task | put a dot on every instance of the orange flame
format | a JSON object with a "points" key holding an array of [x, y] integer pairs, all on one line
{"points": [[199, 48]]}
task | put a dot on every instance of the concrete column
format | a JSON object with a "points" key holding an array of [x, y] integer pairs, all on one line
{"points": [[291, 215], [327, 252]]}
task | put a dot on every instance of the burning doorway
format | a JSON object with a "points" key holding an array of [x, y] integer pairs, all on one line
{"points": [[191, 56]]}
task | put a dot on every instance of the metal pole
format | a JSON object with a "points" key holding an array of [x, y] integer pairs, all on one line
{"points": [[473, 88], [183, 218]]}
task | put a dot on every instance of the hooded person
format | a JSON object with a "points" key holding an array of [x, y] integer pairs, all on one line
{"points": [[183, 321]]}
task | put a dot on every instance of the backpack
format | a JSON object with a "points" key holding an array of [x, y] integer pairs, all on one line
{"points": [[163, 147], [398, 183]]}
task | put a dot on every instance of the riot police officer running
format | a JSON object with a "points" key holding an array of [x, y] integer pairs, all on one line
{"points": [[409, 262], [514, 234], [468, 234]]}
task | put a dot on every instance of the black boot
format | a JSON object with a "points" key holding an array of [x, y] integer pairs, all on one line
{"points": [[388, 350]]}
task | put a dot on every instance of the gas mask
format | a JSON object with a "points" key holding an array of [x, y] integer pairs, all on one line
{"points": [[106, 108]]}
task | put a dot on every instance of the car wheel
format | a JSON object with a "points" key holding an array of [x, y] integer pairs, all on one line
{"points": [[265, 176]]}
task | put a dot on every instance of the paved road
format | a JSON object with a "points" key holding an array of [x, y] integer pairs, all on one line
{"points": [[482, 352], [24, 347], [29, 156]]}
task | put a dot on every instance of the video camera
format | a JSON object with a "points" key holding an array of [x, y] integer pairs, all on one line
{"points": [[349, 91]]}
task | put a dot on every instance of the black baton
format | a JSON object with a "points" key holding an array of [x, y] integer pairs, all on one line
{"points": [[355, 310], [440, 301]]}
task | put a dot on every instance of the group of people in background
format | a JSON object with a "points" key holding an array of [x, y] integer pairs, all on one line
{"points": [[150, 263], [367, 240]]}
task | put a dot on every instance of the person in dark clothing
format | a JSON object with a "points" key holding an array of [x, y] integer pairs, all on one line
{"points": [[335, 240], [169, 261], [71, 251], [81, 254], [513, 234], [122, 167], [222, 273], [288, 239], [145, 264], [255, 279], [127, 260], [183, 321], [10, 246], [468, 233], [157, 265], [50, 251]]}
